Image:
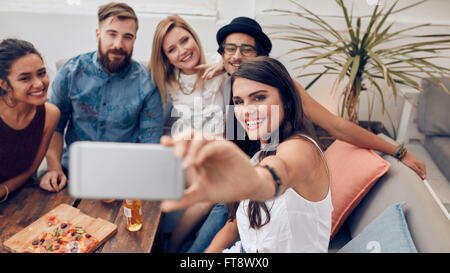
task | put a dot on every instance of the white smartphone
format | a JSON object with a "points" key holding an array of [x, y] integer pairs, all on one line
{"points": [[110, 170]]}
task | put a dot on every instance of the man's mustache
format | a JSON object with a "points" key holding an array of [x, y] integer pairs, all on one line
{"points": [[118, 52]]}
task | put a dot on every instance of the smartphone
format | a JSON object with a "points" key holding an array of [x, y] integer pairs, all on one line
{"points": [[110, 170]]}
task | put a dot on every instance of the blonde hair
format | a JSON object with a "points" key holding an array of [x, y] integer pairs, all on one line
{"points": [[161, 70]]}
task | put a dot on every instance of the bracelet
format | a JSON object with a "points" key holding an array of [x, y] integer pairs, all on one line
{"points": [[399, 148], [401, 152], [6, 195], [276, 178]]}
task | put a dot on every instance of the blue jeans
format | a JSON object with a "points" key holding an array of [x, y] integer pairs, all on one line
{"points": [[213, 223]]}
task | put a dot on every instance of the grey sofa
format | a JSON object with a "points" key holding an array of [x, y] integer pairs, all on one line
{"points": [[427, 218], [433, 120]]}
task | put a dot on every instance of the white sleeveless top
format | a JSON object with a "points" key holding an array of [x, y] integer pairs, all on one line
{"points": [[202, 109], [296, 224]]}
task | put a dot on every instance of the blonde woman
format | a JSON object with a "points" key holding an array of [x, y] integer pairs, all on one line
{"points": [[192, 97], [177, 65]]}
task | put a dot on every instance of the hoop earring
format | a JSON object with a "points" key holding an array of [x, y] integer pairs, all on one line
{"points": [[10, 102]]}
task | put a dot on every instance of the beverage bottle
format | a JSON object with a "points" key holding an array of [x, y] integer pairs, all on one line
{"points": [[132, 209]]}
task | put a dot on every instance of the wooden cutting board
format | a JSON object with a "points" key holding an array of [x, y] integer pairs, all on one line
{"points": [[97, 227]]}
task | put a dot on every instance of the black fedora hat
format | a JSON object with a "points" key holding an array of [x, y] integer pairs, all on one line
{"points": [[248, 26]]}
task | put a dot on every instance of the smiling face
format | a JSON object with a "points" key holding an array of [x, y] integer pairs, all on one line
{"points": [[258, 108], [181, 50], [231, 62], [28, 80], [116, 39]]}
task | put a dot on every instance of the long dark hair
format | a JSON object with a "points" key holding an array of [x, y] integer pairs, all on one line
{"points": [[10, 51], [269, 71]]}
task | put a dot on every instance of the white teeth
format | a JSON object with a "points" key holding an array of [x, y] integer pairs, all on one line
{"points": [[253, 122], [186, 58], [39, 93], [236, 65]]}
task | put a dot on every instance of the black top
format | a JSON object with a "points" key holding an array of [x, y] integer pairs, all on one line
{"points": [[18, 148]]}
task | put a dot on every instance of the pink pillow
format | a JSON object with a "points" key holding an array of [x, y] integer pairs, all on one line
{"points": [[353, 171]]}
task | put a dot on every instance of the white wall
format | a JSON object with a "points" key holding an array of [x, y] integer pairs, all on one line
{"points": [[59, 36], [66, 31]]}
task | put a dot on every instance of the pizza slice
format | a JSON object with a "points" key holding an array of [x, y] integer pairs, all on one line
{"points": [[64, 238]]}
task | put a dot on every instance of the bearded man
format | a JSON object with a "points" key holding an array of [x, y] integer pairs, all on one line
{"points": [[104, 95]]}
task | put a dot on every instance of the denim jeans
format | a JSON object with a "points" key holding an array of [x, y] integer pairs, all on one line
{"points": [[213, 223]]}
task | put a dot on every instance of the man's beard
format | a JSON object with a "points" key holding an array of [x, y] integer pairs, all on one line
{"points": [[111, 66]]}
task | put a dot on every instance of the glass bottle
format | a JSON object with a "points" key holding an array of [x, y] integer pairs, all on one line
{"points": [[132, 209]]}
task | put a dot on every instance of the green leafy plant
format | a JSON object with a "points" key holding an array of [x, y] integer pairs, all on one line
{"points": [[365, 56]]}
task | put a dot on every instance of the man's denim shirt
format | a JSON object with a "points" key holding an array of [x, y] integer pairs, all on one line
{"points": [[121, 107]]}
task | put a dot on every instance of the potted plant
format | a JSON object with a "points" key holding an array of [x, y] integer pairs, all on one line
{"points": [[364, 55]]}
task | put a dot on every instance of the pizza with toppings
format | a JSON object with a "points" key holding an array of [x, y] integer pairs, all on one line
{"points": [[63, 237]]}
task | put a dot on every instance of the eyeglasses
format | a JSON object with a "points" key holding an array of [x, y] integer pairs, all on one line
{"points": [[245, 49]]}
